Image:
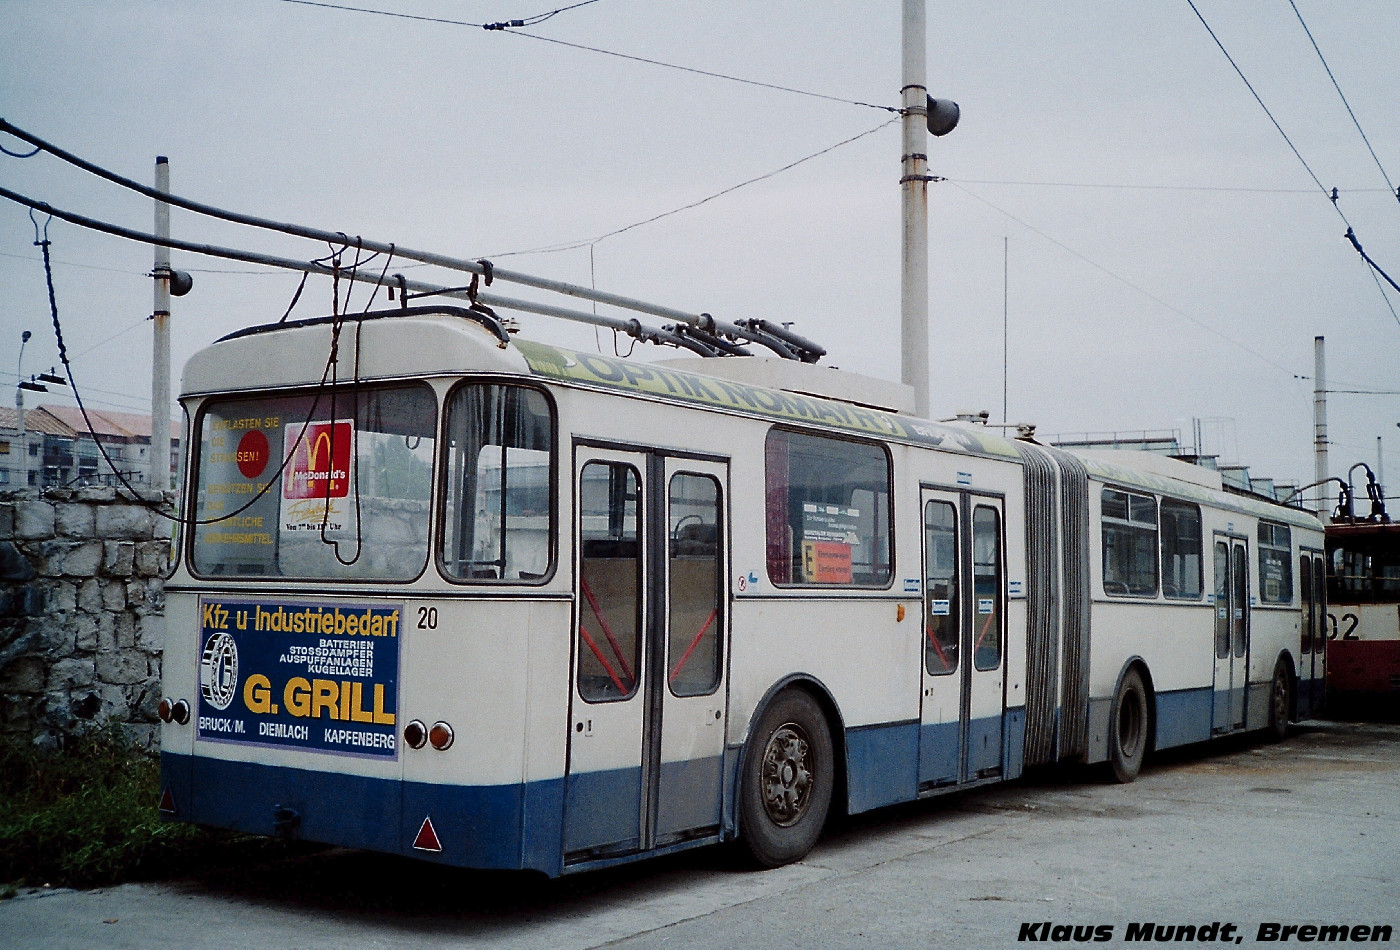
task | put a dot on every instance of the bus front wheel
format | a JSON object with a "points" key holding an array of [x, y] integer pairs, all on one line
{"points": [[787, 781], [1127, 733]]}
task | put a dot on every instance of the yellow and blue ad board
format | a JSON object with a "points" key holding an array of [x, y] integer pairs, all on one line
{"points": [[306, 674]]}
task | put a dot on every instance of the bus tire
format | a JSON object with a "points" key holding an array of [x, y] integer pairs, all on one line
{"points": [[1280, 702], [789, 773], [1128, 727]]}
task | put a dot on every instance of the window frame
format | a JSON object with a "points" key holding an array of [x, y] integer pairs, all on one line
{"points": [[1127, 523], [889, 547], [1162, 504], [1271, 552], [720, 622], [440, 509], [321, 400]]}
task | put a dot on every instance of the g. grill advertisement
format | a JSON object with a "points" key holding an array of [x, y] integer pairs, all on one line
{"points": [[307, 674]]}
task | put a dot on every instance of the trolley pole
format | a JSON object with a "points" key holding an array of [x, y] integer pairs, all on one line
{"points": [[1320, 423], [914, 189], [160, 354]]}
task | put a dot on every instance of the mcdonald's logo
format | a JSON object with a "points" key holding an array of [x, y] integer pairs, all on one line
{"points": [[320, 462]]}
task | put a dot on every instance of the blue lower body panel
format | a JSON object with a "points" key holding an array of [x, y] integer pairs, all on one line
{"points": [[492, 826], [1183, 716]]}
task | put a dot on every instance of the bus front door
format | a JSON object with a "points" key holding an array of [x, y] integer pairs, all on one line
{"points": [[963, 677], [1231, 632], [646, 730]]}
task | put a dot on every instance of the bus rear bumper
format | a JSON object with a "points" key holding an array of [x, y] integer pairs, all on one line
{"points": [[488, 827]]}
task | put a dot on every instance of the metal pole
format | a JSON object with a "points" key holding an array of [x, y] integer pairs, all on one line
{"points": [[914, 188], [19, 410], [1005, 310], [1380, 468], [159, 479], [1320, 422]]}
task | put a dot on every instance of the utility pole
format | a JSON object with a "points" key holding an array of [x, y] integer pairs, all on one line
{"points": [[19, 412], [923, 115], [160, 354], [1320, 423], [913, 184]]}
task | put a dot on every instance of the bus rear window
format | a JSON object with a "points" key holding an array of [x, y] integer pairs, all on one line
{"points": [[316, 485]]}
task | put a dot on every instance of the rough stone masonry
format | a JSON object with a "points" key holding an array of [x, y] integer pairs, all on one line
{"points": [[82, 611]]}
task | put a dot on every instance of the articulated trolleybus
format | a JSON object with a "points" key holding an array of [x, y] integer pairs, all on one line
{"points": [[452, 594]]}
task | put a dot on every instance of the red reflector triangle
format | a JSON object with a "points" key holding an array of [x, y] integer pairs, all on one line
{"points": [[427, 839], [167, 801]]}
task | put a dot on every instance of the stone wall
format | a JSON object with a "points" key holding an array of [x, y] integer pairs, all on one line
{"points": [[82, 604]]}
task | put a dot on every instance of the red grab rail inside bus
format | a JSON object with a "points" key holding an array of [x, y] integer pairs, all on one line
{"points": [[602, 659], [693, 644], [607, 631]]}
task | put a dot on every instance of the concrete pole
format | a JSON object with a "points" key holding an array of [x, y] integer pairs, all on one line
{"points": [[19, 411], [914, 192], [1380, 468], [1320, 423], [159, 478]]}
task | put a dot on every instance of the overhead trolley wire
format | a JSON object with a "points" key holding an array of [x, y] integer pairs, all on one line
{"points": [[590, 242], [1331, 195], [1337, 86], [1124, 281], [508, 27]]}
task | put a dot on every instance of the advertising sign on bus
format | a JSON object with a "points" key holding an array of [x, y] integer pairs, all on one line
{"points": [[317, 675]]}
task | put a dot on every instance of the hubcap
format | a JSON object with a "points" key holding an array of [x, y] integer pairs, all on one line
{"points": [[787, 775]]}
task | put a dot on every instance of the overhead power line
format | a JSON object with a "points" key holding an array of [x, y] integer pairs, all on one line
{"points": [[589, 242], [1333, 195], [1337, 86], [505, 27], [1125, 282], [1127, 186]]}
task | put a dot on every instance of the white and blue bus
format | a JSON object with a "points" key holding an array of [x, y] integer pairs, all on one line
{"points": [[448, 593]]}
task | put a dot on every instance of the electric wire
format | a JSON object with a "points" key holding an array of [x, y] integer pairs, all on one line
{"points": [[1138, 187], [594, 49], [1125, 282], [1333, 195], [589, 242], [1335, 85]]}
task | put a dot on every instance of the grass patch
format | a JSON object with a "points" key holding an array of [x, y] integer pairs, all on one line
{"points": [[87, 817]]}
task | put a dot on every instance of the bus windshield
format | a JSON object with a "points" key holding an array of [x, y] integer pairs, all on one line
{"points": [[1364, 569], [315, 485]]}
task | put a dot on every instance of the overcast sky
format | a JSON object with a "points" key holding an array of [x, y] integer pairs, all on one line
{"points": [[1168, 258]]}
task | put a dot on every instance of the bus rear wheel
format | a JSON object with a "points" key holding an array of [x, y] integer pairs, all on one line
{"points": [[786, 786], [1280, 702], [1128, 728]]}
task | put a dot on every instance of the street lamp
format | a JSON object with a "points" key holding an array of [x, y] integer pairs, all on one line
{"points": [[34, 384]]}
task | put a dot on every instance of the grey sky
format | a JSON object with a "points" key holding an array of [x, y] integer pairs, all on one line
{"points": [[1130, 307]]}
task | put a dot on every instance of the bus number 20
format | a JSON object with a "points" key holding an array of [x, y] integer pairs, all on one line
{"points": [[427, 618]]}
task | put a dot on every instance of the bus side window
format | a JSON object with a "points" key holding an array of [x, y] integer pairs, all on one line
{"points": [[986, 588], [499, 485], [610, 582], [1305, 585], [693, 580], [942, 610]]}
